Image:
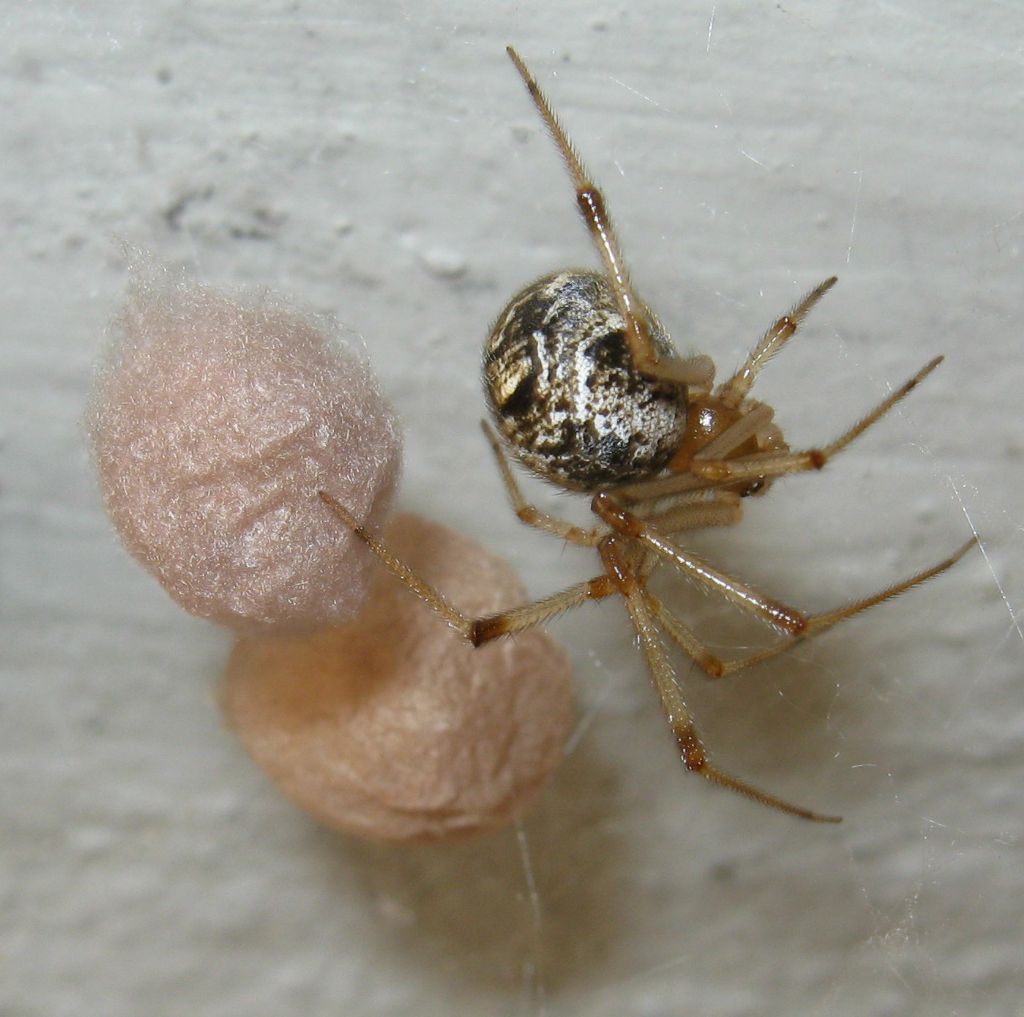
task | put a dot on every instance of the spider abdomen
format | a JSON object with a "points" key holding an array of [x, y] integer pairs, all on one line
{"points": [[563, 391]]}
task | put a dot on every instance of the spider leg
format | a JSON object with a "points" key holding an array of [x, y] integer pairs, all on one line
{"points": [[735, 390], [757, 419], [694, 755], [777, 464], [485, 628], [766, 609], [537, 612], [530, 514], [698, 371], [686, 640], [714, 667], [687, 482], [666, 486], [725, 510]]}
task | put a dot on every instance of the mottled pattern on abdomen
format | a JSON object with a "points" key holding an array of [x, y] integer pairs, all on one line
{"points": [[563, 392]]}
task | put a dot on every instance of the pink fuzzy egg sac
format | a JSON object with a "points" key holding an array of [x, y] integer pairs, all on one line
{"points": [[394, 728], [214, 423]]}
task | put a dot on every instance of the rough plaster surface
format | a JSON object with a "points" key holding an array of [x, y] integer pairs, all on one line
{"points": [[381, 161]]}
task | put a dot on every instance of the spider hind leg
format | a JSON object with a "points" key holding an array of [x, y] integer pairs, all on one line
{"points": [[632, 586]]}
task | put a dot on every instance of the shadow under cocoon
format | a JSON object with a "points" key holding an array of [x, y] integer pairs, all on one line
{"points": [[547, 895]]}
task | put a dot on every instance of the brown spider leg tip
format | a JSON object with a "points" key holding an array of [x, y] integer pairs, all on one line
{"points": [[764, 798], [819, 291], [975, 541], [829, 283], [490, 434], [695, 759], [910, 385], [513, 55], [344, 515], [967, 545], [524, 72]]}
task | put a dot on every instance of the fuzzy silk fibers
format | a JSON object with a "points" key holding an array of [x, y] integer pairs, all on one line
{"points": [[214, 423]]}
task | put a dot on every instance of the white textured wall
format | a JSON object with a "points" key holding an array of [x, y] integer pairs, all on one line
{"points": [[381, 160]]}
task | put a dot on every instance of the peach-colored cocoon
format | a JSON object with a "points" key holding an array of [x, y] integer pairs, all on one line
{"points": [[392, 727], [214, 423]]}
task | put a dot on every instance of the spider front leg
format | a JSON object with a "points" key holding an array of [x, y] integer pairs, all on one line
{"points": [[735, 390], [697, 371], [766, 465], [482, 629]]}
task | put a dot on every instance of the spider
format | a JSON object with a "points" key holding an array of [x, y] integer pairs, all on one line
{"points": [[586, 390]]}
